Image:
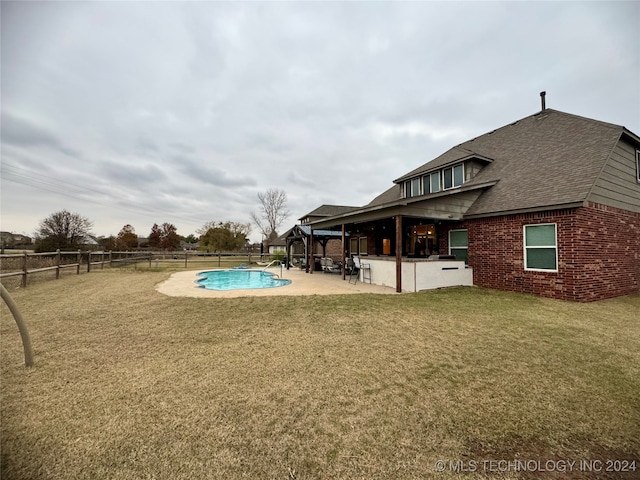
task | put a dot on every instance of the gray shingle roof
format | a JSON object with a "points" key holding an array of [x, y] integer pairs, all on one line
{"points": [[329, 211], [547, 159], [551, 158]]}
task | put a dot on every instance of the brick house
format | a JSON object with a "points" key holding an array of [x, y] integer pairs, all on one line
{"points": [[549, 205]]}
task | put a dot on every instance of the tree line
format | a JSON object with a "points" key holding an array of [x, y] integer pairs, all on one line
{"points": [[65, 230]]}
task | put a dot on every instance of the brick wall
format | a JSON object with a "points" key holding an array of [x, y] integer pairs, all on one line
{"points": [[598, 253]]}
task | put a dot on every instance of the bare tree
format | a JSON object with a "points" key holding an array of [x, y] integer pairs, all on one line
{"points": [[63, 230], [273, 211]]}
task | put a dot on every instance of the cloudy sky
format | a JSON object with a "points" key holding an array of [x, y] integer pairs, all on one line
{"points": [[143, 112]]}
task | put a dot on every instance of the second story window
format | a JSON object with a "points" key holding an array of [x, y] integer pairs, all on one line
{"points": [[444, 179], [452, 177]]}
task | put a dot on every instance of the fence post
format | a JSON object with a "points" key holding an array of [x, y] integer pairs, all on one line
{"points": [[58, 256], [250, 259], [88, 261], [24, 270], [150, 259], [79, 260], [186, 254], [102, 261]]}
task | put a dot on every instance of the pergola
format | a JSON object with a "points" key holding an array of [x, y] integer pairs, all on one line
{"points": [[307, 235]]}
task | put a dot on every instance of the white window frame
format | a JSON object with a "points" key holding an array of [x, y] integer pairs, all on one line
{"points": [[407, 188], [525, 247], [453, 183], [453, 172], [436, 175], [638, 166], [418, 193], [460, 248]]}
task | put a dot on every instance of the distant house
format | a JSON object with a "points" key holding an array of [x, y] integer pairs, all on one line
{"points": [[186, 245], [549, 205], [277, 245], [15, 240]]}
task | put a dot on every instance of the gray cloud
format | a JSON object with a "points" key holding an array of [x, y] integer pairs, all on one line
{"points": [[21, 132], [184, 111], [197, 170]]}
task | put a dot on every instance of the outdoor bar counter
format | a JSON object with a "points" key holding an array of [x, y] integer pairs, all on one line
{"points": [[418, 273]]}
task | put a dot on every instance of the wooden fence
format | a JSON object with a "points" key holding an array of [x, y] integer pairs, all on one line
{"points": [[25, 264]]}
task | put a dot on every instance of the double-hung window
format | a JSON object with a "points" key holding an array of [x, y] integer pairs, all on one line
{"points": [[452, 177], [434, 182], [415, 187], [541, 247], [459, 244]]}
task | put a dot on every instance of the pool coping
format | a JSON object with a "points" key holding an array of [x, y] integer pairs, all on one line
{"points": [[183, 284]]}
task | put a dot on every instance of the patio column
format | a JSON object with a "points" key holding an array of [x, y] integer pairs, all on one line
{"points": [[312, 261], [399, 253], [287, 252], [344, 248]]}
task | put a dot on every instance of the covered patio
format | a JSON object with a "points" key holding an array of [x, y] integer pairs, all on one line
{"points": [[406, 243]]}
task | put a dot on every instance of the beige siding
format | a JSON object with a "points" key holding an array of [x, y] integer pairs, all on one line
{"points": [[471, 167], [617, 185]]}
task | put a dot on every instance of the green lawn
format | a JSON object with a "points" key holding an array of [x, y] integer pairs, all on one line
{"points": [[130, 384]]}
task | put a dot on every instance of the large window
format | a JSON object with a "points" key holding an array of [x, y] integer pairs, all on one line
{"points": [[459, 244], [444, 179], [358, 246], [541, 247], [412, 188], [452, 177]]}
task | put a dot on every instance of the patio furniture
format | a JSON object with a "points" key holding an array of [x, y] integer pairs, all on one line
{"points": [[357, 267], [329, 266]]}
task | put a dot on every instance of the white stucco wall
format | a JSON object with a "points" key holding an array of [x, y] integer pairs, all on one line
{"points": [[419, 274]]}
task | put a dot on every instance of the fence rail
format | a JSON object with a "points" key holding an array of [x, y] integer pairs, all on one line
{"points": [[18, 264]]}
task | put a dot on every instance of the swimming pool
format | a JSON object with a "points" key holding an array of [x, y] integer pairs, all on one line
{"points": [[239, 280]]}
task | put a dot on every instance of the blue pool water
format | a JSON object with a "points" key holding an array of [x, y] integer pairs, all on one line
{"points": [[239, 280]]}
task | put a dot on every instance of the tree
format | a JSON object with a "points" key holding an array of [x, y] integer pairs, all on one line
{"points": [[164, 237], [170, 237], [155, 237], [127, 238], [63, 230], [191, 238], [109, 243], [273, 211], [227, 236]]}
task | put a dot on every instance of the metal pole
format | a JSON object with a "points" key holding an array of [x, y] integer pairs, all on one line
{"points": [[22, 326]]}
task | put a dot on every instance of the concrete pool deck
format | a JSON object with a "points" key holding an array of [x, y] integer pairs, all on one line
{"points": [[182, 284]]}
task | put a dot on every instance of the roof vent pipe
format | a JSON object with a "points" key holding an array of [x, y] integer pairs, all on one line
{"points": [[544, 105]]}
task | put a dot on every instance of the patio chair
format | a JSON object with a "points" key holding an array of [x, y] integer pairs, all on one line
{"points": [[357, 267], [331, 266]]}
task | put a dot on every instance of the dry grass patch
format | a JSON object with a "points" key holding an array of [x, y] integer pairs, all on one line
{"points": [[128, 383]]}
